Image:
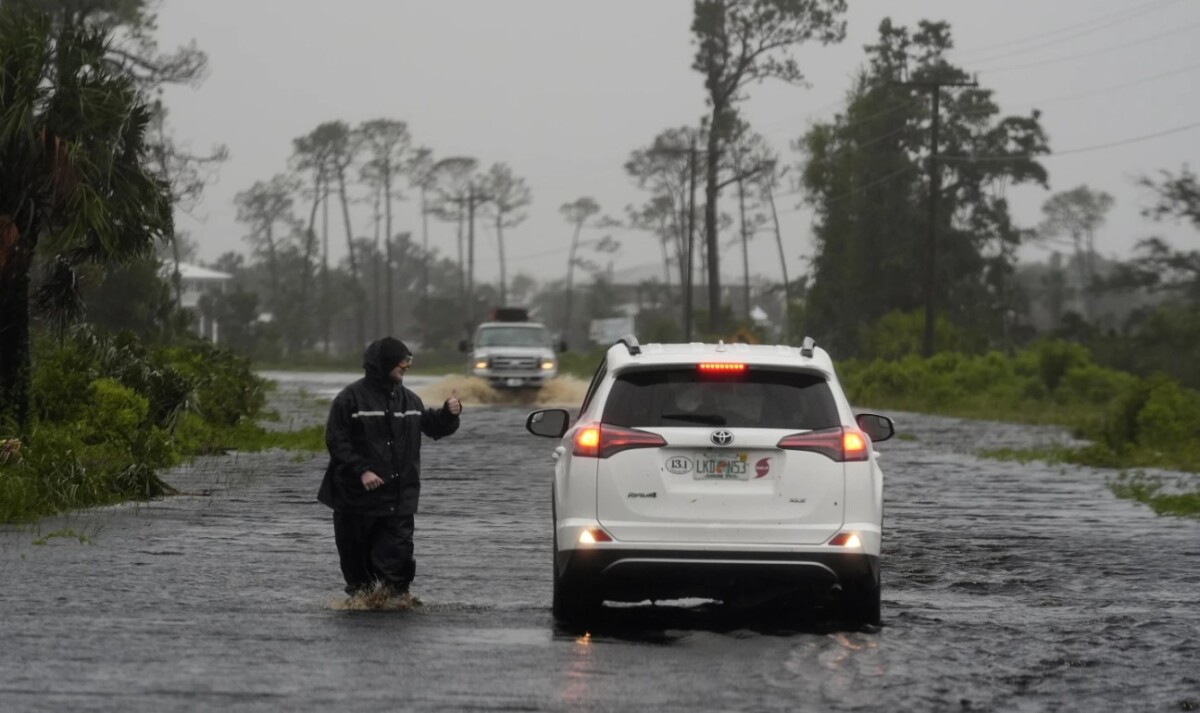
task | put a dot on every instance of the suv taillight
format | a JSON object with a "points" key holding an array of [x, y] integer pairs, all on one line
{"points": [[603, 440], [840, 444]]}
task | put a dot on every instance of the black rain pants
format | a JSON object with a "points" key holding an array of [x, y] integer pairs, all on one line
{"points": [[375, 549]]}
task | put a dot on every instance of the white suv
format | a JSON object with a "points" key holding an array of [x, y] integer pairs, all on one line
{"points": [[723, 471]]}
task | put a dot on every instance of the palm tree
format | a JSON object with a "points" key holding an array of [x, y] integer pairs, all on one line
{"points": [[75, 187]]}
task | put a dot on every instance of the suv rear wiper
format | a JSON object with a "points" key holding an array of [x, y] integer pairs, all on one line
{"points": [[711, 419]]}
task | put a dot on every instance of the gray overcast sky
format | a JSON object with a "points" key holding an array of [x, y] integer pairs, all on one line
{"points": [[563, 90]]}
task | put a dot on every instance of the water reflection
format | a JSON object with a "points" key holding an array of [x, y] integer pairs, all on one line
{"points": [[670, 624]]}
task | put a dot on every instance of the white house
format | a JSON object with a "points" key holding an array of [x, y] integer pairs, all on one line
{"points": [[195, 282]]}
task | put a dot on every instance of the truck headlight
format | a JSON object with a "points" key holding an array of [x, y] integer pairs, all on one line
{"points": [[547, 364], [481, 363]]}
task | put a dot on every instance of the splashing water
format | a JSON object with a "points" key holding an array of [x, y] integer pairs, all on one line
{"points": [[564, 391], [377, 599]]}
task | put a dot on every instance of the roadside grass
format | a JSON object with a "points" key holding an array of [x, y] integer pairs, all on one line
{"points": [[65, 534], [1129, 422], [1151, 490], [256, 439]]}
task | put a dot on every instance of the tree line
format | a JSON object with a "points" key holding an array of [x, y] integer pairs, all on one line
{"points": [[90, 194]]}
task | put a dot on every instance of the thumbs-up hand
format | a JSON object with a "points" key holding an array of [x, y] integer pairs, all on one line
{"points": [[453, 405]]}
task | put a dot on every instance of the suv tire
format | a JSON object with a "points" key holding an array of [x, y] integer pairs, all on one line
{"points": [[572, 603], [862, 604]]}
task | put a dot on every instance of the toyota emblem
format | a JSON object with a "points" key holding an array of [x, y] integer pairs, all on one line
{"points": [[721, 438]]}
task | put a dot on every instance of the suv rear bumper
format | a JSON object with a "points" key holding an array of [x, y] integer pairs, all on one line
{"points": [[635, 575]]}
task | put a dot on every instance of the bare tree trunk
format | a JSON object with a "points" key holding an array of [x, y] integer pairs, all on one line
{"points": [[462, 270], [326, 298], [360, 313], [787, 289], [741, 182], [161, 154], [390, 278], [570, 278], [273, 256], [500, 246], [664, 237], [300, 340], [711, 190], [681, 245], [424, 244], [1081, 267], [375, 272], [471, 253]]}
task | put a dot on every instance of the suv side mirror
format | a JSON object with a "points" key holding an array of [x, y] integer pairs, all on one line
{"points": [[878, 428], [551, 422], [464, 345]]}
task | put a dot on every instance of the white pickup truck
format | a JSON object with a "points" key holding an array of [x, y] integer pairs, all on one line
{"points": [[512, 352]]}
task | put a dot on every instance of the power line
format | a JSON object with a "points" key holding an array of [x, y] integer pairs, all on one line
{"points": [[1091, 26], [767, 128], [1103, 50], [854, 191], [1087, 93], [1068, 152], [956, 55], [1114, 87]]}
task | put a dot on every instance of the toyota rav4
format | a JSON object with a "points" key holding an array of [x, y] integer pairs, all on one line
{"points": [[719, 471]]}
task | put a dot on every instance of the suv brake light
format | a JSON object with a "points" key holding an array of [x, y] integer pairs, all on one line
{"points": [[840, 444], [603, 440], [720, 367]]}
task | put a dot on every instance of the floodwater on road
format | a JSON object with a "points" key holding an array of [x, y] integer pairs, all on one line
{"points": [[1007, 587]]}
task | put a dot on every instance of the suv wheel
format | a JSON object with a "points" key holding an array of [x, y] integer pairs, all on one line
{"points": [[862, 603], [571, 603]]}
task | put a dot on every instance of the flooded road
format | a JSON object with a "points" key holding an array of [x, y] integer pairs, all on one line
{"points": [[1007, 587]]}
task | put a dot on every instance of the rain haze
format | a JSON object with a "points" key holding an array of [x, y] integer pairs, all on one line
{"points": [[978, 490], [564, 91]]}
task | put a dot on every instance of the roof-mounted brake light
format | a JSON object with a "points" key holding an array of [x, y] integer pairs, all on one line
{"points": [[721, 367]]}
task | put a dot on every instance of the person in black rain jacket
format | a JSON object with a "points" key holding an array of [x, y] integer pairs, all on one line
{"points": [[373, 478]]}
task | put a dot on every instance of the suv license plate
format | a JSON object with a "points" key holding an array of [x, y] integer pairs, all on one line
{"points": [[514, 382], [711, 468]]}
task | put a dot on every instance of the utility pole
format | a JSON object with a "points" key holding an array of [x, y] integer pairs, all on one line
{"points": [[935, 188], [691, 239], [474, 198], [471, 252]]}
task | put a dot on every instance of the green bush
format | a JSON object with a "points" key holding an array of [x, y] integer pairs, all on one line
{"points": [[225, 389], [108, 415], [1093, 385], [899, 334], [1054, 358], [1169, 420]]}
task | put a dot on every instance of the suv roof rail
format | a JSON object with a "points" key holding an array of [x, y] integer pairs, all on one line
{"points": [[631, 343], [806, 349]]}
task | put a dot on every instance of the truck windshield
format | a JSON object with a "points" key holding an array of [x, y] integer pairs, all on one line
{"points": [[513, 337]]}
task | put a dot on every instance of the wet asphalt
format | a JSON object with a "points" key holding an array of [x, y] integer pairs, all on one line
{"points": [[1007, 587]]}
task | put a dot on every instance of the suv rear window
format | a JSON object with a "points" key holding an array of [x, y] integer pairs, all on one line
{"points": [[756, 398]]}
